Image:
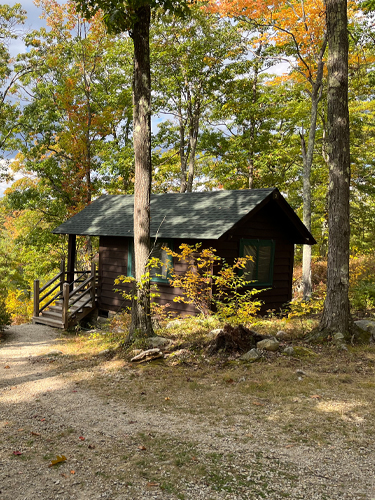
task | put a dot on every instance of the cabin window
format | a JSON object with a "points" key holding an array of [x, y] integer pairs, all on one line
{"points": [[159, 274], [260, 269]]}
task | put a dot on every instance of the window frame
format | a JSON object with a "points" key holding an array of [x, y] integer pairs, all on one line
{"points": [[257, 242], [157, 279]]}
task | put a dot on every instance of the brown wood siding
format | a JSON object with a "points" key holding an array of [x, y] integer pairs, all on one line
{"points": [[113, 253], [113, 262], [267, 225]]}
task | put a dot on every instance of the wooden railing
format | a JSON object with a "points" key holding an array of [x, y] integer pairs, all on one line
{"points": [[69, 292]]}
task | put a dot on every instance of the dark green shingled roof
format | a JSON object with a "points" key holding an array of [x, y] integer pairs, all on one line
{"points": [[198, 215]]}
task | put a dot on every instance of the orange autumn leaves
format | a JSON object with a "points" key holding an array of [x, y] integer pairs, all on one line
{"points": [[297, 27]]}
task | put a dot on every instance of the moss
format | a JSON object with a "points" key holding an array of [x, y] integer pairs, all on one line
{"points": [[303, 352]]}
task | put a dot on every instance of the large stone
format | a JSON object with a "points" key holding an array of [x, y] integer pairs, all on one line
{"points": [[158, 341], [214, 333], [268, 344], [280, 335], [252, 355], [366, 330]]}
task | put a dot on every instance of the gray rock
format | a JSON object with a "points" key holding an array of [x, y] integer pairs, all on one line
{"points": [[105, 352], [214, 333], [289, 351], [102, 321], [158, 341], [268, 344], [252, 355], [366, 330], [148, 355], [280, 335], [338, 338]]}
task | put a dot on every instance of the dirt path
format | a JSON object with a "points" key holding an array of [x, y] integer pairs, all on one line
{"points": [[118, 450]]}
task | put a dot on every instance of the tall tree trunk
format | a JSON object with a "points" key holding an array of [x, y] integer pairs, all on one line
{"points": [[183, 156], [308, 156], [257, 68], [193, 140], [141, 318], [336, 312]]}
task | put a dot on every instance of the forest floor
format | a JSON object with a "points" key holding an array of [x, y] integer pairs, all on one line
{"points": [[284, 428]]}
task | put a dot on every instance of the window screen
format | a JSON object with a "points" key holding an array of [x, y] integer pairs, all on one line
{"points": [[159, 273], [260, 269]]}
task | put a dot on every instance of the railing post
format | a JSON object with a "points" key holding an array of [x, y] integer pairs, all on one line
{"points": [[36, 298], [65, 305], [62, 275], [93, 283]]}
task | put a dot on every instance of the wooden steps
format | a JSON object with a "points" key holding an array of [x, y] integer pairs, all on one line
{"points": [[53, 315]]}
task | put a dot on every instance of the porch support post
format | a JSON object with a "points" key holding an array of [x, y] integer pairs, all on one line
{"points": [[62, 276], [65, 306], [71, 259], [93, 283], [36, 298]]}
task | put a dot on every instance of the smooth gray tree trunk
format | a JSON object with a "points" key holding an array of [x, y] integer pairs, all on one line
{"points": [[308, 156]]}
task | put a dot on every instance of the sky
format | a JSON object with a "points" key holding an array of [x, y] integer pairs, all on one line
{"points": [[33, 21]]}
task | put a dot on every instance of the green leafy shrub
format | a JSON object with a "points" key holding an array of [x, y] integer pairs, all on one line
{"points": [[226, 291], [5, 317]]}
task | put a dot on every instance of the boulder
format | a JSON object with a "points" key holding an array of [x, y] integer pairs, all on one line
{"points": [[268, 344], [148, 355], [214, 333], [365, 331], [158, 341], [280, 335], [252, 355]]}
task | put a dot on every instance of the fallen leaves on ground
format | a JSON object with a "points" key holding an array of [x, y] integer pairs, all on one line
{"points": [[149, 485], [58, 460]]}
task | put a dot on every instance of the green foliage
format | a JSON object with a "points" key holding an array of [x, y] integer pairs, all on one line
{"points": [[5, 316], [226, 290], [76, 130], [132, 285], [121, 16], [362, 282]]}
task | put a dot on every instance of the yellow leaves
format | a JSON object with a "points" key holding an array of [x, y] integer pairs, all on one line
{"points": [[59, 459]]}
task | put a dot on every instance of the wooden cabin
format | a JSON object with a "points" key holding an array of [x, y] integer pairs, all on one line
{"points": [[256, 222]]}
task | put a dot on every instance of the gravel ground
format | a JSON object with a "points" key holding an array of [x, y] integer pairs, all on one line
{"points": [[117, 451]]}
